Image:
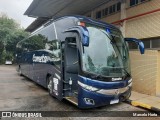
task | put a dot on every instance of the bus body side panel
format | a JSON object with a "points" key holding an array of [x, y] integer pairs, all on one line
{"points": [[35, 66], [43, 67], [39, 67], [39, 63], [25, 65]]}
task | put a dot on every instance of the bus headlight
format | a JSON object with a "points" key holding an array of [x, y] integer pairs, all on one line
{"points": [[130, 85], [90, 88], [129, 81]]}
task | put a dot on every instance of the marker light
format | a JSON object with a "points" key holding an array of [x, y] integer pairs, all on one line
{"points": [[82, 24], [108, 30], [90, 88]]}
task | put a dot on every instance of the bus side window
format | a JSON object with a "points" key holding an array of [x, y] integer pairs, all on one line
{"points": [[55, 52]]}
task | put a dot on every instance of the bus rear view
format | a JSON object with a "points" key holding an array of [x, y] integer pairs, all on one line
{"points": [[92, 68]]}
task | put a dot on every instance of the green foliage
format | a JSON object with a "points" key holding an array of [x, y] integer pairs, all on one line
{"points": [[10, 35], [7, 56], [33, 43]]}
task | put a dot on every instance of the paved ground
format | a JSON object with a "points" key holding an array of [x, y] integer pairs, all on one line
{"points": [[149, 100], [21, 94]]}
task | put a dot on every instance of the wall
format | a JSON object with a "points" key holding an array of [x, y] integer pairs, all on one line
{"points": [[145, 68], [158, 79], [146, 72], [146, 26]]}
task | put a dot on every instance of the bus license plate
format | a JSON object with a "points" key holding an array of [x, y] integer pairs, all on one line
{"points": [[114, 101]]}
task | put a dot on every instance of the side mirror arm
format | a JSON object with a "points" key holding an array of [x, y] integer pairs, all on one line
{"points": [[138, 42], [84, 35]]}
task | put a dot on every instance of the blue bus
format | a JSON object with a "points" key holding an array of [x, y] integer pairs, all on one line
{"points": [[79, 59]]}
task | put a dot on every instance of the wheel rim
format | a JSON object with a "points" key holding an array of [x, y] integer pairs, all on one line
{"points": [[50, 85]]}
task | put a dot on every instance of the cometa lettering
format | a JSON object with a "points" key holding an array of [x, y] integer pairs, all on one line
{"points": [[41, 59]]}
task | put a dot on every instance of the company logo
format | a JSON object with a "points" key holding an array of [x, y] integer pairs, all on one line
{"points": [[117, 92], [116, 79], [41, 59]]}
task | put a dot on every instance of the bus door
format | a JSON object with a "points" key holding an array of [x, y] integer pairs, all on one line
{"points": [[71, 65]]}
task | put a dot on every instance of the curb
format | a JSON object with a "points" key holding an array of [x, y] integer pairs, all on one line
{"points": [[143, 105]]}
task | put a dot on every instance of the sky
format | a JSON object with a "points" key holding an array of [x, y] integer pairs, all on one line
{"points": [[15, 9]]}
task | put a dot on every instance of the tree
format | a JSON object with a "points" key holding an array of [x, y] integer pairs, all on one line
{"points": [[33, 43], [10, 35]]}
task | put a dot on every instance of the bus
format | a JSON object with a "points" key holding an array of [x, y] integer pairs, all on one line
{"points": [[82, 60]]}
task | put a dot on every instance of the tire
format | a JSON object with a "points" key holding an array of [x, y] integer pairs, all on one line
{"points": [[49, 84]]}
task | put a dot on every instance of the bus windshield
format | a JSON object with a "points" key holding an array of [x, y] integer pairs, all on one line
{"points": [[107, 54]]}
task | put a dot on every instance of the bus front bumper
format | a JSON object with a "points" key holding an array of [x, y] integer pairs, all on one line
{"points": [[90, 99]]}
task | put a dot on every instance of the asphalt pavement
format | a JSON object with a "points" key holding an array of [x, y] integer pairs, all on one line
{"points": [[18, 93]]}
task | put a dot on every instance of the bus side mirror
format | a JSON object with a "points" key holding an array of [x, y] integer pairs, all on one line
{"points": [[85, 41], [85, 37], [138, 42]]}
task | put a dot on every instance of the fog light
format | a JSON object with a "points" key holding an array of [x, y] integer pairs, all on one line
{"points": [[89, 101]]}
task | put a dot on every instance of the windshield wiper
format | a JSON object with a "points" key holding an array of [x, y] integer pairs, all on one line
{"points": [[97, 76], [125, 71], [107, 35]]}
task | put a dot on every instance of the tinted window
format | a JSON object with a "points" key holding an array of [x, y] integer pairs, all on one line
{"points": [[132, 45], [133, 2], [38, 40], [146, 43], [149, 44], [53, 47], [110, 10], [114, 8], [98, 14], [106, 11], [156, 43], [103, 12], [48, 32], [119, 6]]}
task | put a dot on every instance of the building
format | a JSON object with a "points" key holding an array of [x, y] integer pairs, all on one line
{"points": [[138, 19], [135, 18]]}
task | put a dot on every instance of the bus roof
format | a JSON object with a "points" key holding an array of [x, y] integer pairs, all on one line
{"points": [[82, 18]]}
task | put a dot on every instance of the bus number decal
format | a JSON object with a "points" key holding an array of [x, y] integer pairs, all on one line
{"points": [[55, 81]]}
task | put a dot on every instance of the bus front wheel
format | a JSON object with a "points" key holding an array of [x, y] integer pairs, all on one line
{"points": [[49, 84]]}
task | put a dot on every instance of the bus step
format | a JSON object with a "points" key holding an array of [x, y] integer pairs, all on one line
{"points": [[74, 44], [73, 100], [66, 89]]}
